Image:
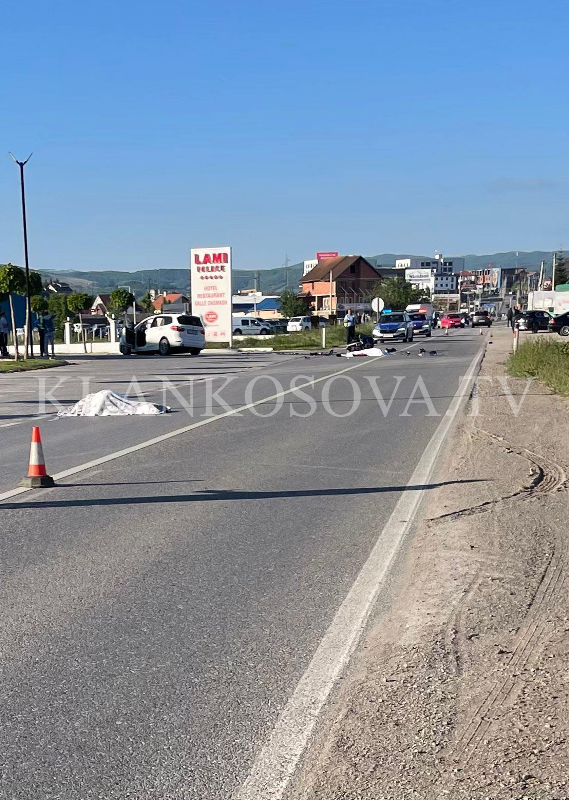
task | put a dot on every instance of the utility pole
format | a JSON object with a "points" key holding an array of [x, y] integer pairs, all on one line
{"points": [[554, 264], [285, 265], [29, 341], [541, 271]]}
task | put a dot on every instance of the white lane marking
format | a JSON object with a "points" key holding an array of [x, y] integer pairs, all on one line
{"points": [[179, 431], [277, 760]]}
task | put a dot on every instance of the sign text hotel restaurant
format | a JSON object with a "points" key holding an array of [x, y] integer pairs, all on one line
{"points": [[210, 277]]}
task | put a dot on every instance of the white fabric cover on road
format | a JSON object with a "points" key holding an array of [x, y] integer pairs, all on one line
{"points": [[376, 352], [110, 404]]}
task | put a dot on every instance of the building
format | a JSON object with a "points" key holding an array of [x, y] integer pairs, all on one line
{"points": [[437, 274], [170, 299], [59, 287], [251, 302], [335, 284], [100, 305]]}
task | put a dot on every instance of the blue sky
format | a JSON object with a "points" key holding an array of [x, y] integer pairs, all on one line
{"points": [[363, 127]]}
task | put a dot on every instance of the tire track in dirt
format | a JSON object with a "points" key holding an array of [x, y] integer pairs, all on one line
{"points": [[549, 477], [526, 646]]}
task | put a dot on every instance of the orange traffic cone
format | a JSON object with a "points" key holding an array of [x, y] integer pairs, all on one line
{"points": [[37, 473]]}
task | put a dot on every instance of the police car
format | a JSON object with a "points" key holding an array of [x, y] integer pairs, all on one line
{"points": [[393, 325]]}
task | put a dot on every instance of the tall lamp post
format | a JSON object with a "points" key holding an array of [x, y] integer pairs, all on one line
{"points": [[29, 344]]}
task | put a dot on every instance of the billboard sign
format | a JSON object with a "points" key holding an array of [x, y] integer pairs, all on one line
{"points": [[329, 254], [495, 277], [423, 278], [210, 278]]}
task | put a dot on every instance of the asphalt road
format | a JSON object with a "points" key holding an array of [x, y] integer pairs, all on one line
{"points": [[158, 610]]}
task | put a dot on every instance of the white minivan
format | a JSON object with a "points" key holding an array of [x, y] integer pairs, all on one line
{"points": [[297, 324], [249, 326]]}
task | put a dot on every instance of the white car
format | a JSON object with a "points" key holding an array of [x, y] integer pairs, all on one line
{"points": [[297, 324], [250, 326], [164, 333]]}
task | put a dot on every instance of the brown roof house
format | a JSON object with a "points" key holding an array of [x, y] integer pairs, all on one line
{"points": [[336, 284]]}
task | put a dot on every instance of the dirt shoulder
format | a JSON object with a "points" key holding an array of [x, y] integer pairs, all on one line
{"points": [[460, 687]]}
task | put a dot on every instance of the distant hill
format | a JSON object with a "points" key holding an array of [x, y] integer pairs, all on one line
{"points": [[271, 281]]}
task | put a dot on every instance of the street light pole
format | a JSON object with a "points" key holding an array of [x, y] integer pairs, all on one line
{"points": [[29, 341]]}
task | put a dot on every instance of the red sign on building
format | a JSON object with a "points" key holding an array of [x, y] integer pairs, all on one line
{"points": [[330, 254]]}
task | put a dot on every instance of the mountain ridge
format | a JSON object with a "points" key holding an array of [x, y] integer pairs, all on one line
{"points": [[271, 281]]}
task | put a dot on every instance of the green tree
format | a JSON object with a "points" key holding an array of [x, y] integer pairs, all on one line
{"points": [[146, 302], [39, 303], [57, 305], [291, 304], [79, 301], [120, 300], [12, 281], [397, 293]]}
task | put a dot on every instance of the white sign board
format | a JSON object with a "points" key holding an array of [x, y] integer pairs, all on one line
{"points": [[377, 304], [418, 275], [210, 276]]}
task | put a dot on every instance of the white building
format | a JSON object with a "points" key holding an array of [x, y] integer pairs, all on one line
{"points": [[438, 274]]}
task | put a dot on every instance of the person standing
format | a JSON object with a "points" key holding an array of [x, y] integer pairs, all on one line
{"points": [[350, 326], [41, 332], [510, 318], [4, 330], [49, 333]]}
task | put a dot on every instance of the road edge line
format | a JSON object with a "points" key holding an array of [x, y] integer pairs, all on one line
{"points": [[276, 762]]}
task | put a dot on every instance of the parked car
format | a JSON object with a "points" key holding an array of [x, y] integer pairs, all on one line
{"points": [[421, 324], [250, 326], [266, 323], [279, 325], [481, 317], [394, 325], [534, 321], [452, 321], [164, 333], [560, 324], [297, 324]]}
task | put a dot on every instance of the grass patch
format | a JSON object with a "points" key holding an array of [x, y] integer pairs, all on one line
{"points": [[31, 363], [306, 340], [546, 360]]}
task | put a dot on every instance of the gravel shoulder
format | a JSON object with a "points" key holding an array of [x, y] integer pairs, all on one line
{"points": [[459, 689]]}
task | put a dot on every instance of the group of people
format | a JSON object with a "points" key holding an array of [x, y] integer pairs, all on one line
{"points": [[46, 329]]}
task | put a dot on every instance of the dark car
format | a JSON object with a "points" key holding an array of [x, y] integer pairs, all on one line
{"points": [[534, 321], [481, 317], [421, 324], [560, 324]]}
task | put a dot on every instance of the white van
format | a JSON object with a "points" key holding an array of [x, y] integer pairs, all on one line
{"points": [[249, 326], [297, 324], [421, 308]]}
